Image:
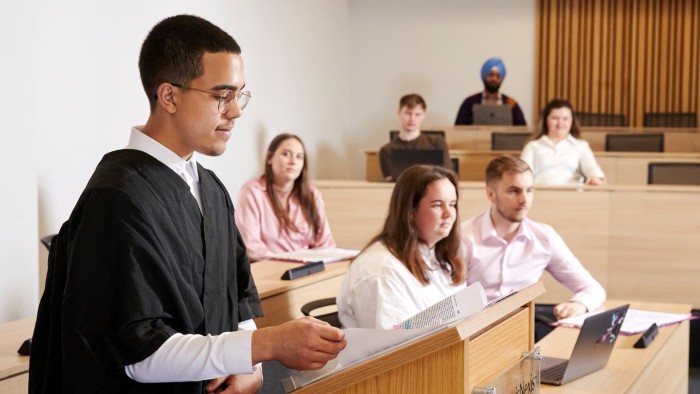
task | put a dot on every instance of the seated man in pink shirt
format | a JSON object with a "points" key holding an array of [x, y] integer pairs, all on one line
{"points": [[506, 251]]}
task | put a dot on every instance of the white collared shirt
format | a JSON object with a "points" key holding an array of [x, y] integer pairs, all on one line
{"points": [[570, 161], [186, 169]]}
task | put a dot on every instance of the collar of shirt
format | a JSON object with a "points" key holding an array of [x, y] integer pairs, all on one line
{"points": [[488, 231], [141, 142], [428, 255], [570, 139]]}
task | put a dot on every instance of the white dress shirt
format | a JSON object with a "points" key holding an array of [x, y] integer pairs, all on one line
{"points": [[570, 161], [191, 357], [378, 291], [503, 267]]}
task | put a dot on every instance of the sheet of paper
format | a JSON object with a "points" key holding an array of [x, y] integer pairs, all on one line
{"points": [[327, 255], [366, 343], [458, 306], [362, 344], [636, 320]]}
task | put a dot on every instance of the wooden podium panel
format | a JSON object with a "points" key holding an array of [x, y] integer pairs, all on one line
{"points": [[451, 360]]}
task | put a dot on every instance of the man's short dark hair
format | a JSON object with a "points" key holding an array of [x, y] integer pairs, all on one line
{"points": [[173, 51], [411, 101], [503, 164]]}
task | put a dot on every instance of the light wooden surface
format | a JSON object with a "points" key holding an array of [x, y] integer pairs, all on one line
{"points": [[13, 367], [660, 368], [639, 242], [620, 168], [282, 299], [452, 360], [16, 384], [479, 137]]}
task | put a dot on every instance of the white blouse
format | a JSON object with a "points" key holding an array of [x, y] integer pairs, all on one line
{"points": [[378, 290], [570, 161]]}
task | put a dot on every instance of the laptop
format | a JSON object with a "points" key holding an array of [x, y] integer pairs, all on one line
{"points": [[594, 345], [401, 159], [492, 114]]}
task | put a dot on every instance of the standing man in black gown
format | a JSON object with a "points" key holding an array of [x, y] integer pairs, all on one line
{"points": [[149, 288]]}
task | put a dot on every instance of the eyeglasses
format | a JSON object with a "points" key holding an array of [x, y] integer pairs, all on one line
{"points": [[242, 98]]}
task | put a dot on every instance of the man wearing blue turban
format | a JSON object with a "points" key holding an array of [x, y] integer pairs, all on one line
{"points": [[492, 74]]}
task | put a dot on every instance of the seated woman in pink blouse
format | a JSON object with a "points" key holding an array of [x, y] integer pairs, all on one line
{"points": [[281, 211]]}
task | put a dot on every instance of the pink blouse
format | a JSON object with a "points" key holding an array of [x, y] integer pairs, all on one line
{"points": [[261, 230]]}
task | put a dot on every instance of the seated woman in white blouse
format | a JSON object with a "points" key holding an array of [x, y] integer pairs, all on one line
{"points": [[556, 155], [414, 262]]}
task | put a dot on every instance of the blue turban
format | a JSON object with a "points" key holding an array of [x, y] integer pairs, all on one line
{"points": [[490, 64]]}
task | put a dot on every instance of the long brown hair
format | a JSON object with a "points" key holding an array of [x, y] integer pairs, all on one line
{"points": [[301, 188], [399, 233], [551, 106]]}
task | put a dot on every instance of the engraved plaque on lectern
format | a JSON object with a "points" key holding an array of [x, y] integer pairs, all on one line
{"points": [[521, 378]]}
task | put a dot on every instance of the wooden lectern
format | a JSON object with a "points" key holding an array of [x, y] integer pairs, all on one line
{"points": [[452, 360]]}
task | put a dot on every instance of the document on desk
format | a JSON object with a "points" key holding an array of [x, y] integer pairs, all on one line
{"points": [[636, 320], [327, 255]]}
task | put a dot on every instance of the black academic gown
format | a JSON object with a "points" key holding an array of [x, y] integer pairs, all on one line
{"points": [[135, 263]]}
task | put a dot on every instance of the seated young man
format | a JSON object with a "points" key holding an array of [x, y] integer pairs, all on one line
{"points": [[506, 251], [411, 115]]}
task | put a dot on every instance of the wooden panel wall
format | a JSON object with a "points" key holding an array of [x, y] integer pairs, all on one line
{"points": [[619, 56]]}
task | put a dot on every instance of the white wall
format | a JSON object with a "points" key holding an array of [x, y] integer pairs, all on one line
{"points": [[329, 70], [435, 49], [20, 113]]}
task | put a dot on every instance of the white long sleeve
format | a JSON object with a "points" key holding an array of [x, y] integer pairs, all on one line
{"points": [[189, 358]]}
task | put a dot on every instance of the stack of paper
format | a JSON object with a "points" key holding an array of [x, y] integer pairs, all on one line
{"points": [[327, 255], [636, 320]]}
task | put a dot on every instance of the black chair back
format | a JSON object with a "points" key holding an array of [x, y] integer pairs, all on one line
{"points": [[592, 119], [508, 141], [331, 318], [673, 174], [671, 119], [634, 142]]}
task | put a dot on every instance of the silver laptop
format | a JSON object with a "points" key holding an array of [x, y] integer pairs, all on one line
{"points": [[594, 345], [492, 114]]}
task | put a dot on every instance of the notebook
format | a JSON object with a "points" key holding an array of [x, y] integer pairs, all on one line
{"points": [[594, 345], [401, 159], [492, 114]]}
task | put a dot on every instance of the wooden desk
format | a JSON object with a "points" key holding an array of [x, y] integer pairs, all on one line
{"points": [[620, 168], [13, 367], [282, 299], [660, 368], [639, 242], [676, 139]]}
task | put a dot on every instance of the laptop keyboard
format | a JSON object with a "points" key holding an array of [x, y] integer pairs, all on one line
{"points": [[554, 373]]}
